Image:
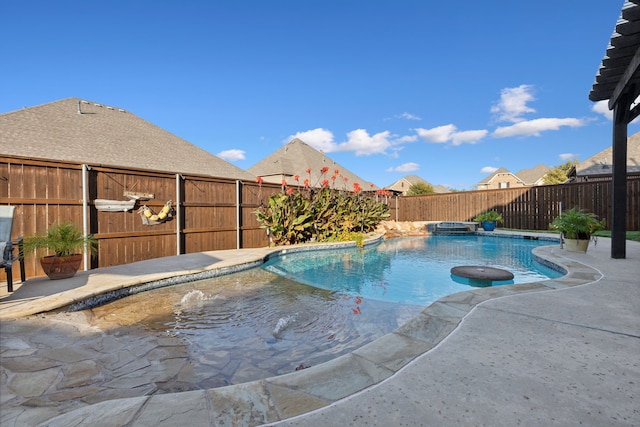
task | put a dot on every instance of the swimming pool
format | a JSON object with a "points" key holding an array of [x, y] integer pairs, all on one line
{"points": [[412, 270], [256, 324]]}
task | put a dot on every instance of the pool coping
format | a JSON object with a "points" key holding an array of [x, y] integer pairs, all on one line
{"points": [[277, 398]]}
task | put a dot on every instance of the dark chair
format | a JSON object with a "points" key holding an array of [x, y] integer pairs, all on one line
{"points": [[7, 246]]}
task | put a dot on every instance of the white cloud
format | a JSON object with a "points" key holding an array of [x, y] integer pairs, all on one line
{"points": [[406, 167], [231, 155], [535, 126], [363, 144], [408, 116], [513, 103], [359, 141], [448, 133], [468, 136], [488, 169], [439, 135], [405, 115], [319, 138], [602, 107], [567, 156]]}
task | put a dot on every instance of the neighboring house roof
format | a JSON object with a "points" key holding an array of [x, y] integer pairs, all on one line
{"points": [[601, 163], [499, 171], [82, 131], [295, 158], [533, 176], [410, 180], [441, 189]]}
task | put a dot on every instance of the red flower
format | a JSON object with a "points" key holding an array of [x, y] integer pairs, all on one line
{"points": [[324, 170], [308, 170], [284, 182], [346, 179], [306, 183], [259, 180], [333, 178], [336, 172], [297, 177], [290, 191], [325, 183], [356, 187]]}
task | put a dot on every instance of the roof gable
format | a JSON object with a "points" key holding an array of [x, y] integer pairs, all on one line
{"points": [[82, 131], [491, 177], [295, 158], [533, 175]]}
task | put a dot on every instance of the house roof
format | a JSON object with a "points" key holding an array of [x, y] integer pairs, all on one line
{"points": [[533, 175], [601, 163], [415, 179], [295, 158], [489, 178], [82, 131]]}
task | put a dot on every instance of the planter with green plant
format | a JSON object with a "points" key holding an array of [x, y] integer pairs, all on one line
{"points": [[577, 227], [67, 242], [489, 220]]}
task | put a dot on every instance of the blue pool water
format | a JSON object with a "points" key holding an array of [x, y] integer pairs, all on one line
{"points": [[413, 270]]}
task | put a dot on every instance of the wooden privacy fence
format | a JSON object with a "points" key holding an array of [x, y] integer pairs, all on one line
{"points": [[529, 208], [209, 213], [217, 213]]}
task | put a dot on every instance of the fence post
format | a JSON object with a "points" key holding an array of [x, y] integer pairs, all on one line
{"points": [[238, 214], [178, 209], [85, 212]]}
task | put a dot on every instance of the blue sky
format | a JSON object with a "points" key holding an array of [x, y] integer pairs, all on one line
{"points": [[445, 90]]}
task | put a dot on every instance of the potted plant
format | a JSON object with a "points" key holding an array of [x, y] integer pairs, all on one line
{"points": [[489, 220], [577, 227], [67, 242]]}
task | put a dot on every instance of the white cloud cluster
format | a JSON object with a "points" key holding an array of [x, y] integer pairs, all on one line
{"points": [[512, 107], [535, 127], [488, 169], [231, 155], [513, 104], [450, 134], [359, 141], [404, 168], [567, 156]]}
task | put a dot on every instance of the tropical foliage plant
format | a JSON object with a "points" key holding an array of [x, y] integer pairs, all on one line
{"points": [[576, 223], [489, 216], [62, 239], [325, 213]]}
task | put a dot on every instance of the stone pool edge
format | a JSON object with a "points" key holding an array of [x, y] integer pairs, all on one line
{"points": [[277, 398]]}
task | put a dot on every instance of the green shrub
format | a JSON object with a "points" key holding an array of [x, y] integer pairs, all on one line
{"points": [[319, 214]]}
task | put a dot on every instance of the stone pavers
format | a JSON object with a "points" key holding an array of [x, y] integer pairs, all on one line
{"points": [[48, 380]]}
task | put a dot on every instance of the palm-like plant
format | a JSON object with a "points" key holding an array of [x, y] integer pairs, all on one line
{"points": [[62, 239]]}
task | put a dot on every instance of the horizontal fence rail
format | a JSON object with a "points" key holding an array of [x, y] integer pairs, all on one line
{"points": [[216, 213]]}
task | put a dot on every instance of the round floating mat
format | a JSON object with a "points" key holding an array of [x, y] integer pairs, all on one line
{"points": [[479, 272]]}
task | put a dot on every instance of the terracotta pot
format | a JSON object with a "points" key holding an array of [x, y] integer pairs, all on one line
{"points": [[576, 245], [56, 267]]}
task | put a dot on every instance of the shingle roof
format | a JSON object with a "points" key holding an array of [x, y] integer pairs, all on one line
{"points": [[601, 163], [413, 180], [533, 175], [87, 132], [488, 179], [294, 158]]}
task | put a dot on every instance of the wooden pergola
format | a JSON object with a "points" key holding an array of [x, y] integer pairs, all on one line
{"points": [[618, 80]]}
